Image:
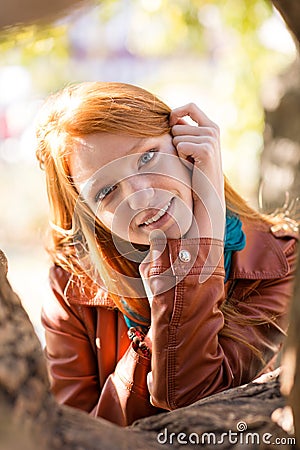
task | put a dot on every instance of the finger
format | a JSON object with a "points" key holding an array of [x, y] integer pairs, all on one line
{"points": [[195, 140], [198, 152], [182, 122], [178, 130], [193, 112], [157, 234]]}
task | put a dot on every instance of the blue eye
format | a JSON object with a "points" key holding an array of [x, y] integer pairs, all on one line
{"points": [[146, 157], [104, 192]]}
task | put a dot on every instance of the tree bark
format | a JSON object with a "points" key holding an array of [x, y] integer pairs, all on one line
{"points": [[30, 419], [280, 159], [25, 12], [289, 111], [290, 11], [290, 382], [29, 416], [293, 345]]}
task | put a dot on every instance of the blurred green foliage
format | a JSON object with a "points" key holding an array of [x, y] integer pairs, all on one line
{"points": [[162, 28], [221, 37]]}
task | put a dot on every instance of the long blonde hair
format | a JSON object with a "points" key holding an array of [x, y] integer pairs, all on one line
{"points": [[77, 236]]}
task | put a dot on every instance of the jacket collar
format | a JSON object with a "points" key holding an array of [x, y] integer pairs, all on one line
{"points": [[76, 291], [263, 256], [85, 295]]}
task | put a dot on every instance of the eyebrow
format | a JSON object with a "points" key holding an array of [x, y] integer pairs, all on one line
{"points": [[137, 145]]}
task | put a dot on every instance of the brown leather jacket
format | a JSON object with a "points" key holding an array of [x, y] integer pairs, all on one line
{"points": [[93, 366]]}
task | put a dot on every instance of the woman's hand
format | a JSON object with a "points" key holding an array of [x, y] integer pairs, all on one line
{"points": [[200, 145]]}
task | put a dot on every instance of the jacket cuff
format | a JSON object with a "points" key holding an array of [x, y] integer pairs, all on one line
{"points": [[132, 370], [125, 396]]}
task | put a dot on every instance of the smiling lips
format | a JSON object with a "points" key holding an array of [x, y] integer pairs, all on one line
{"points": [[158, 215]]}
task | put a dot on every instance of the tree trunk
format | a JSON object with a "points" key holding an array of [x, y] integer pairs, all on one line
{"points": [[30, 419], [284, 124], [293, 345], [280, 160], [291, 360], [25, 12], [290, 11]]}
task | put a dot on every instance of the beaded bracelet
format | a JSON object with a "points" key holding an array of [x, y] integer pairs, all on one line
{"points": [[137, 337]]}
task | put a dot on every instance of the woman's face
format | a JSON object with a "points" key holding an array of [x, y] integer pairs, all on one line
{"points": [[134, 185]]}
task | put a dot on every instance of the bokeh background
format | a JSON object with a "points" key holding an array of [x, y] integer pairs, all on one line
{"points": [[233, 58]]}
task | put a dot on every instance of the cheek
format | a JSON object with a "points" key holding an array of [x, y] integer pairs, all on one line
{"points": [[117, 220], [106, 213], [181, 183], [106, 218], [185, 179], [178, 173]]}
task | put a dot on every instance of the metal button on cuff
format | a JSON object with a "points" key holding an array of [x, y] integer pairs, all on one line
{"points": [[184, 255]]}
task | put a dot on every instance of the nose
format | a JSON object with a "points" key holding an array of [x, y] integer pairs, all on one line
{"points": [[138, 193]]}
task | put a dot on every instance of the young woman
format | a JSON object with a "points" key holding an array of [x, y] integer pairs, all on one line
{"points": [[167, 286]]}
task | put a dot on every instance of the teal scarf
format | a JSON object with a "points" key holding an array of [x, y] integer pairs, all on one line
{"points": [[234, 240]]}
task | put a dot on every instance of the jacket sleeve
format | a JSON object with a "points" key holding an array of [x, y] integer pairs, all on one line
{"points": [[191, 358], [73, 367]]}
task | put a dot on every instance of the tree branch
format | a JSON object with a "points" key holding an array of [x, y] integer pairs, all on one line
{"points": [[290, 11]]}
